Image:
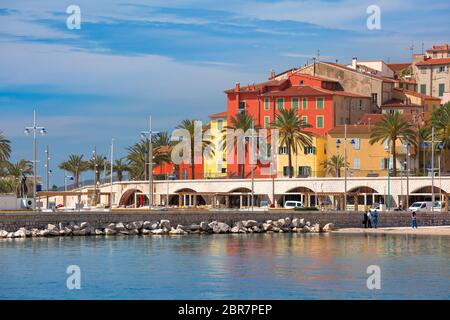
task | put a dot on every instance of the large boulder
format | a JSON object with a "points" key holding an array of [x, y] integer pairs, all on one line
{"points": [[204, 226], [137, 224], [316, 228], [81, 232], [177, 231], [249, 223], [194, 227], [84, 225], [145, 231], [51, 227], [287, 221], [295, 223], [235, 229], [98, 232], [329, 227], [120, 227], [266, 226], [3, 233], [111, 226], [157, 231], [110, 232], [165, 224], [224, 228]]}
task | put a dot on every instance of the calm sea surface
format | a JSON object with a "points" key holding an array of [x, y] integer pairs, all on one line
{"points": [[252, 266]]}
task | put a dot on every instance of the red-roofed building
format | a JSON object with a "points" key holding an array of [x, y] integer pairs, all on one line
{"points": [[433, 72], [320, 102]]}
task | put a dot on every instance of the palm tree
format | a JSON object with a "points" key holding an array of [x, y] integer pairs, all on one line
{"points": [[120, 166], [5, 148], [440, 120], [189, 126], [244, 122], [291, 133], [334, 165], [17, 172], [138, 159], [393, 127], [98, 164], [75, 165]]}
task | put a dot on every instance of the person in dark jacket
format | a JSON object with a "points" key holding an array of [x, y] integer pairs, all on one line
{"points": [[413, 220], [365, 220]]}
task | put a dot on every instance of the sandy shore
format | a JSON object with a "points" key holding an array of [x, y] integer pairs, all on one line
{"points": [[432, 231]]}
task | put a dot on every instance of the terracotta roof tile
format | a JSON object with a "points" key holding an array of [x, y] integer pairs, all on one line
{"points": [[433, 62]]}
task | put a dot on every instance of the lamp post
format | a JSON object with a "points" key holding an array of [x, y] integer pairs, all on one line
{"points": [[252, 139], [149, 135], [47, 172], [94, 160], [440, 146], [104, 168], [111, 175], [338, 143], [34, 130]]}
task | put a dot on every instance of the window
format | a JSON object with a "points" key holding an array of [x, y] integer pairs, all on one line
{"points": [[319, 122], [423, 89], [305, 103], [219, 124], [224, 170], [219, 165], [386, 145], [294, 103], [423, 70], [302, 82], [184, 174], [357, 143], [266, 122], [304, 120], [441, 89], [266, 103], [319, 103], [304, 171], [361, 107], [374, 97], [241, 107], [282, 150], [286, 170], [280, 103], [356, 163], [384, 163], [309, 150], [425, 108]]}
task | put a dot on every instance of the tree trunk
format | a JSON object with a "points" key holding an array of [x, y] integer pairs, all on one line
{"points": [[289, 159], [192, 161], [394, 159]]}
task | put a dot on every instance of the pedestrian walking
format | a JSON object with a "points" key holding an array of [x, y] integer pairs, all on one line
{"points": [[369, 217], [365, 221], [374, 218], [413, 220]]}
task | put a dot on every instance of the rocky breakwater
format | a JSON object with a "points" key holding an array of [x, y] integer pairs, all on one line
{"points": [[164, 227]]}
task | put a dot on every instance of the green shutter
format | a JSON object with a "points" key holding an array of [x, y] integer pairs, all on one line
{"points": [[441, 89], [423, 89], [319, 122], [280, 103], [319, 103], [305, 103], [294, 103], [266, 104]]}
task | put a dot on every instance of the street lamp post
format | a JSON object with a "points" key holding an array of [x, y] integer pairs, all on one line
{"points": [[149, 135], [338, 143], [440, 146], [111, 175], [94, 160], [35, 130], [252, 138]]}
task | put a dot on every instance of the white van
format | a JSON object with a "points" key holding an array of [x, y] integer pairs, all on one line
{"points": [[293, 204], [421, 206]]}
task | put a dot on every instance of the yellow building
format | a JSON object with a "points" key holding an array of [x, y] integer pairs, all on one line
{"points": [[215, 166], [363, 158], [306, 163]]}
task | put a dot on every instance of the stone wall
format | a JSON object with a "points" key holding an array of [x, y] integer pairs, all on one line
{"points": [[13, 221]]}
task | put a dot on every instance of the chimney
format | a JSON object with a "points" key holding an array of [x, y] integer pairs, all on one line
{"points": [[238, 87], [272, 75], [354, 62]]}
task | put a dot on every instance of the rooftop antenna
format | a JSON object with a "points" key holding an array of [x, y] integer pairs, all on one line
{"points": [[318, 54], [423, 47]]}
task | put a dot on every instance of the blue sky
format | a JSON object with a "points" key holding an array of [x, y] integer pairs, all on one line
{"points": [[173, 59]]}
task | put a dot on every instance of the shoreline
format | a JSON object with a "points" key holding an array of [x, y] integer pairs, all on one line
{"points": [[426, 230]]}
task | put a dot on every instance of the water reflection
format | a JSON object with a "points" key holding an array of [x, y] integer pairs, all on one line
{"points": [[251, 266]]}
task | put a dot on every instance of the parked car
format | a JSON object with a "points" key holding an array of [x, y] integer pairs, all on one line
{"points": [[293, 204], [421, 206]]}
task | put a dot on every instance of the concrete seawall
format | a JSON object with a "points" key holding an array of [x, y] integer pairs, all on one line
{"points": [[12, 221]]}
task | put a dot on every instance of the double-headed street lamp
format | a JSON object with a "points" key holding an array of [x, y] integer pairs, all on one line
{"points": [[440, 145], [338, 144], [149, 135], [35, 130]]}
